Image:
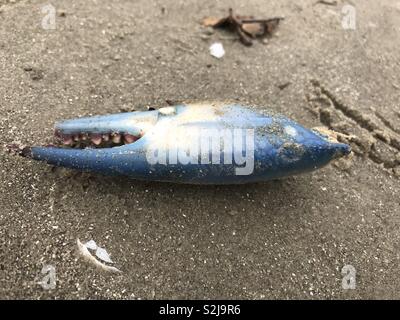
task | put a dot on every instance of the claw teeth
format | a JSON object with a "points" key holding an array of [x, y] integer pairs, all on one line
{"points": [[128, 138], [66, 139], [116, 138], [96, 139]]}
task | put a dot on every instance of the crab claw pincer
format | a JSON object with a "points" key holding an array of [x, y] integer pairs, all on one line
{"points": [[190, 143]]}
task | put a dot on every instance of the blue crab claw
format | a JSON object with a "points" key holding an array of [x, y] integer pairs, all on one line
{"points": [[191, 143]]}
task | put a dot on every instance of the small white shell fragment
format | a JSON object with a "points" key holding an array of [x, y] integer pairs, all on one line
{"points": [[217, 50], [84, 252], [167, 110], [102, 254], [91, 245]]}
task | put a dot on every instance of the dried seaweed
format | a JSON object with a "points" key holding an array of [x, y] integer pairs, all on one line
{"points": [[246, 27]]}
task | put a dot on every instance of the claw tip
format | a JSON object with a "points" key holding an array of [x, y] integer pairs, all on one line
{"points": [[26, 152], [21, 151]]}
